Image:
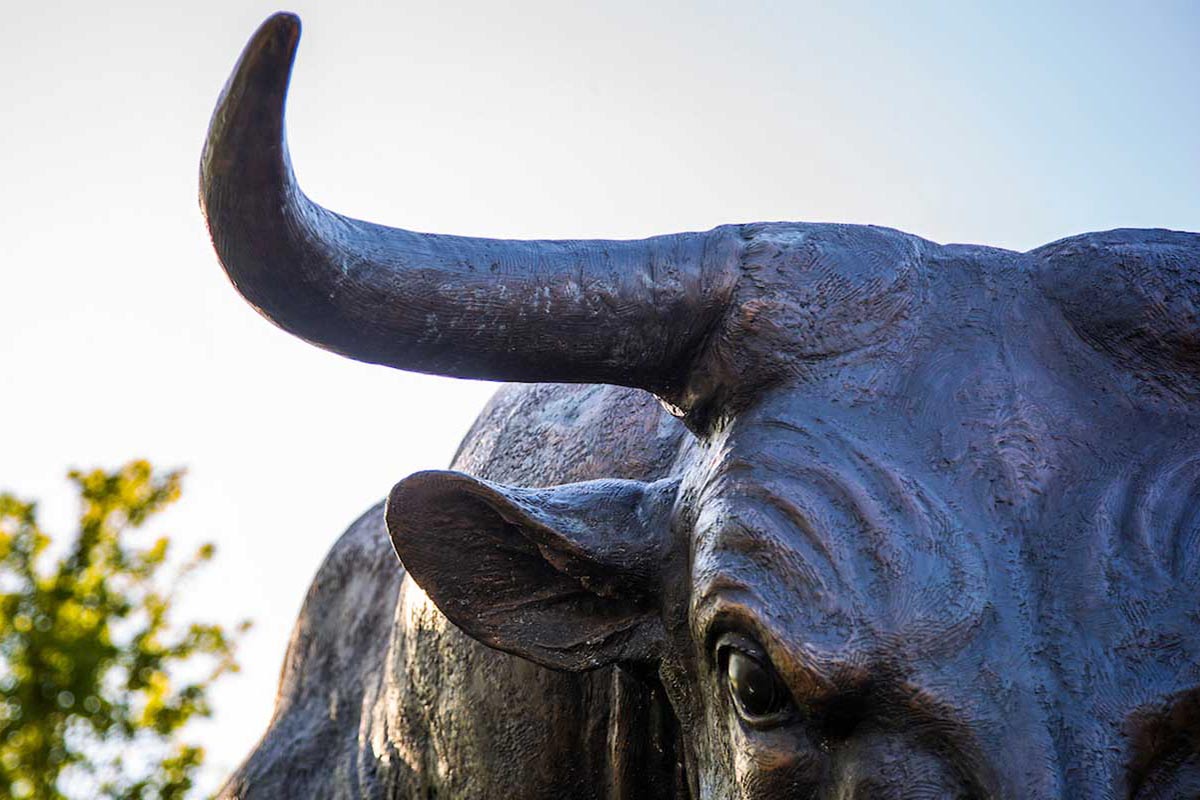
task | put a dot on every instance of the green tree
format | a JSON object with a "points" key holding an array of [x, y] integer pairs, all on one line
{"points": [[96, 680]]}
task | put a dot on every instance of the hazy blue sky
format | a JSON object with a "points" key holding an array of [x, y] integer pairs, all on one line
{"points": [[1009, 124]]}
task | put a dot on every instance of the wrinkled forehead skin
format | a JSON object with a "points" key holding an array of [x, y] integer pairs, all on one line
{"points": [[971, 505]]}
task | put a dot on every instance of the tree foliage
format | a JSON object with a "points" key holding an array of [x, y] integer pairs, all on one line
{"points": [[96, 680]]}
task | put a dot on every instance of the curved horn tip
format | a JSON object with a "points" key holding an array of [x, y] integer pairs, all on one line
{"points": [[248, 118], [273, 43], [266, 61], [282, 27]]}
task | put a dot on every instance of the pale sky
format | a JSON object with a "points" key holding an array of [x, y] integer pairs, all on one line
{"points": [[1012, 126]]}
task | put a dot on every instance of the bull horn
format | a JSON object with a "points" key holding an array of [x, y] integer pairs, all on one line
{"points": [[631, 313]]}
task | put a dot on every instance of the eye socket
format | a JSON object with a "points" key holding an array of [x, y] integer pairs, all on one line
{"points": [[757, 692]]}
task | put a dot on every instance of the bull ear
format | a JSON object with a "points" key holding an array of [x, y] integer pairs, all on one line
{"points": [[568, 576]]}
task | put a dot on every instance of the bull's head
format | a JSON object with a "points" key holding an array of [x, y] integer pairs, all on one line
{"points": [[937, 534]]}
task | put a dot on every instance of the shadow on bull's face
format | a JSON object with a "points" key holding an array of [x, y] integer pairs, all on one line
{"points": [[828, 616], [787, 604], [778, 688]]}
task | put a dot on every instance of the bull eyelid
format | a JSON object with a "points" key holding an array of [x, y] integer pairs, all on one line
{"points": [[746, 644], [718, 618], [718, 615]]}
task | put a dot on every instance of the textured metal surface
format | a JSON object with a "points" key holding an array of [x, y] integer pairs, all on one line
{"points": [[944, 496]]}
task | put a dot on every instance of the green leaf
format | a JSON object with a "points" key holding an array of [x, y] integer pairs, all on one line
{"points": [[89, 655]]}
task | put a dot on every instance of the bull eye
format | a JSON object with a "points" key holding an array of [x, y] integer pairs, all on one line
{"points": [[757, 692]]}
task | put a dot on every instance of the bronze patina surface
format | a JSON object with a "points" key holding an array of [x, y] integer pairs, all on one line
{"points": [[783, 510]]}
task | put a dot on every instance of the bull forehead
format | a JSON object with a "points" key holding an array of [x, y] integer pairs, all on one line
{"points": [[854, 541], [954, 427], [829, 540]]}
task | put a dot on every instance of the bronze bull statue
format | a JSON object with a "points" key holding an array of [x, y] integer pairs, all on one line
{"points": [[782, 510]]}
